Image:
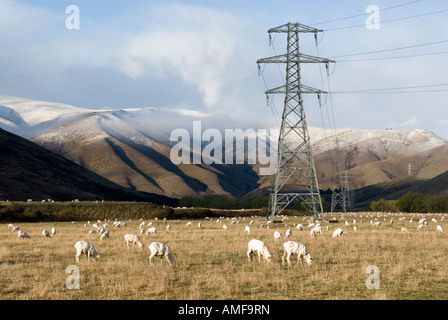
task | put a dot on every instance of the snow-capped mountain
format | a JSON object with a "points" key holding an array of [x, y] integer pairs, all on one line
{"points": [[132, 147]]}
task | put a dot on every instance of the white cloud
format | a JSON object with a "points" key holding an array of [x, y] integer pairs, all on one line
{"points": [[204, 47]]}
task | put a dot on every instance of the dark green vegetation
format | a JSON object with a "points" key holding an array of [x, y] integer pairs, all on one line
{"points": [[413, 202], [83, 211]]}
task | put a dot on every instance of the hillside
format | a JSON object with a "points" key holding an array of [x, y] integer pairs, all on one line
{"points": [[396, 188], [29, 171], [131, 147]]}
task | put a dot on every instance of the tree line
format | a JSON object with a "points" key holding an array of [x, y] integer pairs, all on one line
{"points": [[413, 202]]}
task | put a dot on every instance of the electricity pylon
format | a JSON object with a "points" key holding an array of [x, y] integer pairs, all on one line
{"points": [[295, 163], [340, 196]]}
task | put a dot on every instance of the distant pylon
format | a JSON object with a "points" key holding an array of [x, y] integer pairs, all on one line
{"points": [[295, 163], [340, 197]]}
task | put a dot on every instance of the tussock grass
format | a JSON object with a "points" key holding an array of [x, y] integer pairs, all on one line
{"points": [[211, 263]]}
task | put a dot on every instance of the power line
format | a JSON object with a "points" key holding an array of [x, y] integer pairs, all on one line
{"points": [[392, 20], [392, 49], [396, 89], [396, 57], [363, 14]]}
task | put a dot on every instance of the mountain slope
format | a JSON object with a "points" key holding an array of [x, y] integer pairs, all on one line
{"points": [[131, 147], [29, 171]]}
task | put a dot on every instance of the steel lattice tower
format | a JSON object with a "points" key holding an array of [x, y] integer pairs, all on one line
{"points": [[340, 196], [295, 163]]}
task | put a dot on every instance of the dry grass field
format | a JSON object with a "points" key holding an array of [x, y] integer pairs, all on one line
{"points": [[211, 262]]}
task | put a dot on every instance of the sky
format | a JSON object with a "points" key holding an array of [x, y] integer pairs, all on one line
{"points": [[201, 56]]}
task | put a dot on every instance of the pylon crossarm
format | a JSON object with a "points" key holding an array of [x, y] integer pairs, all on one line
{"points": [[293, 27], [292, 58]]}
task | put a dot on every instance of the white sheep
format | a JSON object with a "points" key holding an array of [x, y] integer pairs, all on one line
{"points": [[299, 227], [224, 227], [403, 229], [132, 238], [299, 249], [288, 233], [260, 248], [338, 232], [439, 228], [200, 225], [23, 234], [53, 231], [152, 230], [104, 235], [84, 247], [420, 226], [188, 224], [15, 228], [317, 229], [277, 236], [247, 230], [162, 250], [46, 234], [142, 231], [10, 226]]}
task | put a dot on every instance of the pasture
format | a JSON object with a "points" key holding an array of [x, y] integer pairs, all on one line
{"points": [[211, 262]]}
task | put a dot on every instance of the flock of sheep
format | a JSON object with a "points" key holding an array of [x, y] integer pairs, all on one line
{"points": [[255, 246]]}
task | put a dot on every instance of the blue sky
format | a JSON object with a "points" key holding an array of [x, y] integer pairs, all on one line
{"points": [[201, 55]]}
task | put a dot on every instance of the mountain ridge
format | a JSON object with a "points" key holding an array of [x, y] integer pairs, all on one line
{"points": [[132, 146]]}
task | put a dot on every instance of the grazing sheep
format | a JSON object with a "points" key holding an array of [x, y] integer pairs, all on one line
{"points": [[377, 224], [53, 231], [168, 227], [200, 225], [288, 233], [299, 227], [247, 230], [277, 236], [23, 234], [15, 228], [259, 247], [162, 250], [92, 231], [104, 235], [10, 226], [338, 232], [152, 230], [403, 229], [84, 247], [420, 226], [101, 230], [45, 233], [142, 231], [355, 228], [299, 249], [439, 228], [224, 227], [132, 238], [188, 224], [317, 229]]}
